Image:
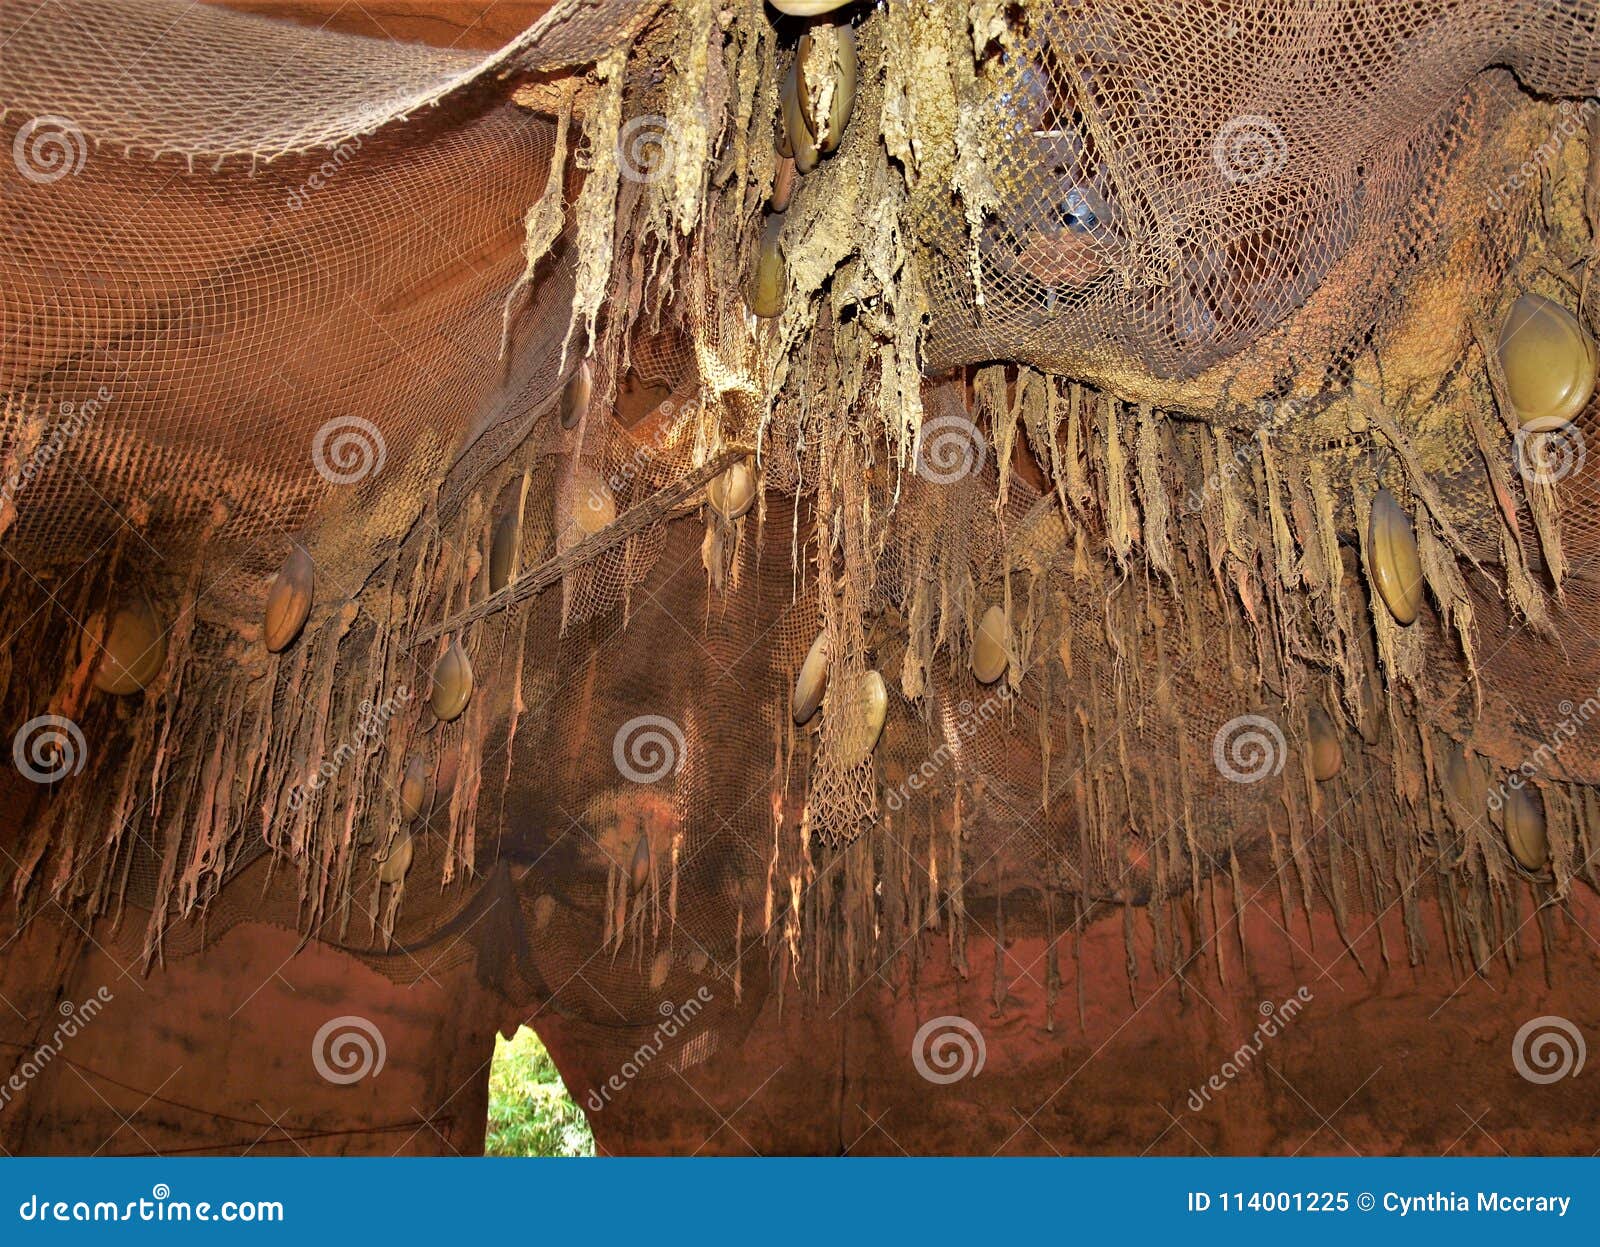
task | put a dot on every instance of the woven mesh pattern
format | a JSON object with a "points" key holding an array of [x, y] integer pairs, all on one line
{"points": [[267, 294]]}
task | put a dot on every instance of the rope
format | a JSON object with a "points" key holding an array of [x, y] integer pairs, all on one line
{"points": [[613, 534]]}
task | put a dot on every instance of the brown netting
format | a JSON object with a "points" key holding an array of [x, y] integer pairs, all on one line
{"points": [[1113, 318]]}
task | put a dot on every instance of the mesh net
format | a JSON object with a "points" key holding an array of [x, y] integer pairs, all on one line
{"points": [[1242, 265]]}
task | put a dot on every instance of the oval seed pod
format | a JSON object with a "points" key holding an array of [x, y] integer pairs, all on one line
{"points": [[1526, 835], [544, 909], [593, 504], [503, 550], [659, 968], [867, 716], [784, 181], [1396, 566], [1458, 785], [133, 650], [769, 283], [802, 143], [289, 600], [575, 395], [812, 681], [414, 786], [639, 868], [1326, 757], [989, 657], [393, 868], [1548, 359], [732, 493], [452, 683], [808, 8], [830, 129]]}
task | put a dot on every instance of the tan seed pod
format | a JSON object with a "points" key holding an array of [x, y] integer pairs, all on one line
{"points": [[1526, 835], [503, 550], [769, 284], [639, 868], [808, 8], [732, 493], [865, 719], [289, 600], [393, 868], [452, 683], [783, 183], [1326, 755], [698, 959], [659, 969], [812, 681], [133, 650], [1458, 781], [414, 786], [802, 143], [989, 656], [575, 395], [1396, 566], [544, 909], [830, 129], [1548, 360]]}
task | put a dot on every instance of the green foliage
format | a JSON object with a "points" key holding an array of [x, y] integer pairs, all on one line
{"points": [[530, 1112]]}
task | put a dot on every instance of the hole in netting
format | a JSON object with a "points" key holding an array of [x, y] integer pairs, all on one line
{"points": [[531, 1112]]}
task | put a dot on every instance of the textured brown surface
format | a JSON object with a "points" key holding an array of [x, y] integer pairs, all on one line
{"points": [[482, 24]]}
